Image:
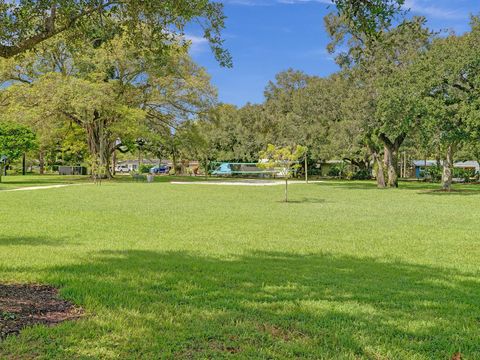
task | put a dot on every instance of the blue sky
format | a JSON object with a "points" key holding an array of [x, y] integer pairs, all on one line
{"points": [[268, 36]]}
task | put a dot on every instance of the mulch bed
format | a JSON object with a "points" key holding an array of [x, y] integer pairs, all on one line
{"points": [[27, 305]]}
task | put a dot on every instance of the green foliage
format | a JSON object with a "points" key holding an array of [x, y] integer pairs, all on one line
{"points": [[334, 171], [152, 25], [433, 173], [113, 91], [369, 17], [466, 175], [286, 158], [15, 140], [144, 169], [362, 174]]}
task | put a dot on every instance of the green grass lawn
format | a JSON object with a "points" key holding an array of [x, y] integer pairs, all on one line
{"points": [[15, 182], [344, 271]]}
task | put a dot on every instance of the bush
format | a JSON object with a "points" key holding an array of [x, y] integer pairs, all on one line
{"points": [[433, 173], [144, 169], [338, 170], [334, 171], [467, 175], [363, 174]]}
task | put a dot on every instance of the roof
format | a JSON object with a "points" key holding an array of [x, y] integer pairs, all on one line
{"points": [[425, 162], [458, 164], [467, 164], [334, 162], [135, 162]]}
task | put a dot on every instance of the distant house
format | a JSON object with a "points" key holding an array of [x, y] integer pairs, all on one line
{"points": [[422, 165], [132, 165], [468, 165], [327, 165]]}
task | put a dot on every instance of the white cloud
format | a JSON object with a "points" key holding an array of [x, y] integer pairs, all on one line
{"points": [[425, 7], [429, 8], [198, 43]]}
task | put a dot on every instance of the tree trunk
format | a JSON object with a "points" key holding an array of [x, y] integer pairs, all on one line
{"points": [[447, 176], [24, 165], [391, 157], [41, 160], [391, 161], [374, 151], [380, 172], [114, 162], [286, 189], [306, 170], [174, 161], [100, 151]]}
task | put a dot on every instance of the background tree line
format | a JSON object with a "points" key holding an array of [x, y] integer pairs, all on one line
{"points": [[406, 89]]}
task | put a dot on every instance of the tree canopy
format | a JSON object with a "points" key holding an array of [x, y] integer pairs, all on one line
{"points": [[26, 23]]}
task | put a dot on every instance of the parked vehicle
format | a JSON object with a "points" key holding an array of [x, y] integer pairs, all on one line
{"points": [[122, 169], [162, 169]]}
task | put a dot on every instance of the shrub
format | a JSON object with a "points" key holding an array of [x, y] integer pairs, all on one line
{"points": [[363, 174], [433, 173], [144, 169], [338, 170], [334, 171], [467, 175]]}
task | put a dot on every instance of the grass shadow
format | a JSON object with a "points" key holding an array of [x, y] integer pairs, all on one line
{"points": [[304, 201], [32, 241], [38, 180], [455, 192], [263, 305]]}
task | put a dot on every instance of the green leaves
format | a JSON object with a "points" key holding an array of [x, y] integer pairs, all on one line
{"points": [[368, 17], [285, 158], [150, 24], [15, 140]]}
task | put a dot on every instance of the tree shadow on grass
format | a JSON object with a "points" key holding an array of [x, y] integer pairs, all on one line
{"points": [[455, 192], [43, 181], [32, 241], [348, 185], [304, 201], [261, 305], [421, 188]]}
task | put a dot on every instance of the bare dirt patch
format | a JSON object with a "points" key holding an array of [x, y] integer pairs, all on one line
{"points": [[280, 333], [24, 305]]}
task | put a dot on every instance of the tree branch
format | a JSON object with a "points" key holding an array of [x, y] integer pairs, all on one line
{"points": [[49, 30]]}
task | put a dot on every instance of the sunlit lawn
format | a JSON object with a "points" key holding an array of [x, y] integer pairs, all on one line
{"points": [[344, 271]]}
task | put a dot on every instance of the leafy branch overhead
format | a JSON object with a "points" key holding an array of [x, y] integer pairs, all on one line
{"points": [[26, 23], [369, 16]]}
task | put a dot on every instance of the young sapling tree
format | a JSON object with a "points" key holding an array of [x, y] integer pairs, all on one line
{"points": [[283, 160]]}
